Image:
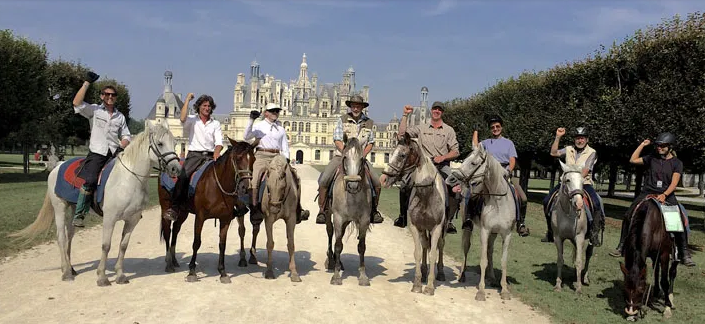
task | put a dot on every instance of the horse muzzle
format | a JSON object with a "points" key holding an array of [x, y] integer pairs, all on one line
{"points": [[173, 168], [352, 178]]}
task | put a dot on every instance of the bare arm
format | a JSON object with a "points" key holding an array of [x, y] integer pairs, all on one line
{"points": [[367, 149], [554, 148], [216, 152], [636, 155], [340, 146], [408, 109], [674, 183], [512, 164], [475, 139], [184, 109], [81, 94]]}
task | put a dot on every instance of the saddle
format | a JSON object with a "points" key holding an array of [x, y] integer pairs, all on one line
{"points": [[674, 219], [587, 200], [68, 182], [473, 206], [263, 182], [169, 183]]}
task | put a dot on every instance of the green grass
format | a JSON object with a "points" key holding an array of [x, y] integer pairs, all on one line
{"points": [[532, 270], [23, 195], [15, 160]]}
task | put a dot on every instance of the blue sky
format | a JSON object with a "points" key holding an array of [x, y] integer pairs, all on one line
{"points": [[454, 47]]}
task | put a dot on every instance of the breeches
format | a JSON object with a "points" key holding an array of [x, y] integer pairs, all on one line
{"points": [[91, 168]]}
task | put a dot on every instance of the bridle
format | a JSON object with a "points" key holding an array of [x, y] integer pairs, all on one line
{"points": [[352, 178], [286, 194], [406, 166], [163, 158], [240, 175], [571, 193]]}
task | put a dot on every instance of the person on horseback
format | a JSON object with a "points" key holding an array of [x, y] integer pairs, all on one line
{"points": [[270, 141], [353, 123], [205, 143], [663, 172], [579, 153], [504, 151], [109, 136], [438, 140]]}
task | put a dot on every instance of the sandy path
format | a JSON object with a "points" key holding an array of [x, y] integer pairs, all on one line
{"points": [[32, 290]]}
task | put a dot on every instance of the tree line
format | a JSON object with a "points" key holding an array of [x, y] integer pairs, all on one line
{"points": [[651, 82], [37, 94]]}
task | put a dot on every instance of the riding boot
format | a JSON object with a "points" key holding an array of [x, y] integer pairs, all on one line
{"points": [[301, 214], [595, 232], [682, 254], [322, 197], [403, 207], [177, 196], [619, 251], [549, 231], [83, 206], [256, 215], [522, 230], [375, 216]]}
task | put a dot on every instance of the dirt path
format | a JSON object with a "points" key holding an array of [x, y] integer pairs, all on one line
{"points": [[32, 290]]}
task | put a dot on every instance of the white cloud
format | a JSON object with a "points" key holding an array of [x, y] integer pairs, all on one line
{"points": [[442, 7]]}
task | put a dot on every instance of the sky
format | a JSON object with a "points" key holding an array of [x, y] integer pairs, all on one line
{"points": [[456, 48]]}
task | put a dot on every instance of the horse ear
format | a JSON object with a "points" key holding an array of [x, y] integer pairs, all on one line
{"points": [[407, 138], [232, 142], [165, 124], [563, 166], [624, 268]]}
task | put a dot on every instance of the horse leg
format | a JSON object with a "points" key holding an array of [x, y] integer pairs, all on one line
{"points": [[578, 263], [440, 275], [340, 231], [165, 228], [505, 294], [108, 227], [467, 236], [241, 232], [126, 233], [290, 227], [418, 254], [668, 287], [484, 237], [330, 258], [253, 248], [63, 240], [176, 228], [361, 247], [268, 226], [559, 263], [223, 235], [588, 256], [658, 275], [424, 256], [436, 236], [70, 231], [490, 260], [197, 228]]}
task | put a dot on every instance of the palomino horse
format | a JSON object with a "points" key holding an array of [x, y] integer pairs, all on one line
{"points": [[351, 203], [126, 196], [569, 221], [280, 201], [481, 172], [647, 238], [426, 211]]}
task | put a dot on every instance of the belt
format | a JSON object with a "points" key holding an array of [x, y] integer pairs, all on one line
{"points": [[267, 150], [202, 152]]}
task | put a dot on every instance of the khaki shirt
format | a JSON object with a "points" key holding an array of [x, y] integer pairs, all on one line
{"points": [[435, 141]]}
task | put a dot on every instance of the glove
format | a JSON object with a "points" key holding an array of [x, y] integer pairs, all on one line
{"points": [[91, 77], [254, 114]]}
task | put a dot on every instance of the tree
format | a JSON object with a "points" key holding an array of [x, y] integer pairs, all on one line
{"points": [[122, 103]]}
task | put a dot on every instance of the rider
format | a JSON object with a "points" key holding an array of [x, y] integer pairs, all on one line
{"points": [[437, 140], [205, 143], [109, 135], [352, 123], [580, 153], [504, 151], [663, 172], [270, 141]]}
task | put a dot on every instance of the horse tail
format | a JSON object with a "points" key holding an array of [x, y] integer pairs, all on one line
{"points": [[161, 230], [40, 225]]}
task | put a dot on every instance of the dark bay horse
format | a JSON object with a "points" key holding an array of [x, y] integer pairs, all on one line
{"points": [[217, 196], [647, 238]]}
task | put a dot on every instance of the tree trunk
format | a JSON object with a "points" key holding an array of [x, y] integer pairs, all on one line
{"points": [[25, 158], [639, 181], [701, 185], [612, 179], [628, 181], [525, 166], [553, 178]]}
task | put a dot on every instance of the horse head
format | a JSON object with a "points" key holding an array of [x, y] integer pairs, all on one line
{"points": [[572, 184], [161, 148], [276, 183], [353, 167], [472, 170], [404, 159], [634, 287], [241, 158]]}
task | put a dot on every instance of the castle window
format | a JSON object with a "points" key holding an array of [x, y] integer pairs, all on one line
{"points": [[293, 126], [317, 155], [386, 157], [323, 141], [324, 128], [330, 155], [307, 139], [324, 115], [308, 127], [316, 127], [301, 126], [372, 157]]}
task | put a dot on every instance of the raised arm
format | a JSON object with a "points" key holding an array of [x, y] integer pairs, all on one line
{"points": [[184, 109], [554, 148], [636, 155]]}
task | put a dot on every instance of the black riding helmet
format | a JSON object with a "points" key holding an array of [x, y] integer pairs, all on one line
{"points": [[494, 119], [666, 138], [581, 131]]}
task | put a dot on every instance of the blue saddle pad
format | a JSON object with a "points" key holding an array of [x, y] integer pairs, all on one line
{"points": [[68, 192], [168, 182]]}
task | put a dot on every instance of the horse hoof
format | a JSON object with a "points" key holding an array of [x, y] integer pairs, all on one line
{"points": [[175, 264], [364, 281], [416, 289], [73, 272], [579, 292], [557, 288], [253, 259], [424, 278], [242, 263], [67, 277], [336, 281], [103, 282], [667, 313], [225, 280], [441, 276], [480, 296], [269, 274], [462, 278], [295, 278], [586, 281], [429, 291], [505, 295], [191, 278], [170, 269], [121, 280]]}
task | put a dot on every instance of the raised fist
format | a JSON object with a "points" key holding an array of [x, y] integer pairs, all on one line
{"points": [[646, 142], [189, 96], [91, 77], [254, 114], [560, 132], [408, 109]]}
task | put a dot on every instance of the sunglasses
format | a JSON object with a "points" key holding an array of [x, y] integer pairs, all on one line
{"points": [[662, 145], [110, 94], [495, 127]]}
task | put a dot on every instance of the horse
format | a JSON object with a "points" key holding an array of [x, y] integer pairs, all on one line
{"points": [[481, 172], [647, 238], [351, 203], [569, 221], [126, 196], [280, 201], [426, 211]]}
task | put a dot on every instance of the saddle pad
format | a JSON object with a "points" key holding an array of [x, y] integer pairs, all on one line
{"points": [[70, 169], [66, 188], [672, 218], [169, 183], [262, 186]]}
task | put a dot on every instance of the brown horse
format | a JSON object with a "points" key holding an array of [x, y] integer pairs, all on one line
{"points": [[216, 196], [647, 238]]}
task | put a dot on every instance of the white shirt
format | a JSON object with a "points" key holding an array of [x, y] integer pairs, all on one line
{"points": [[271, 136], [106, 130], [202, 136]]}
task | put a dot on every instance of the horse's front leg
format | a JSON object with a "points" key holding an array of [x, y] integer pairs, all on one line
{"points": [[126, 233], [290, 227], [418, 254], [491, 278], [579, 248], [363, 280], [330, 258], [165, 227], [340, 231], [484, 238], [505, 294], [559, 262], [667, 284], [440, 274], [223, 235], [586, 271], [269, 228], [253, 248], [197, 229], [467, 236], [108, 227], [436, 236], [176, 228], [241, 232]]}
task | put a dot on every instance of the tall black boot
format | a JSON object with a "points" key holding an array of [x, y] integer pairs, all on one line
{"points": [[549, 230], [256, 215], [682, 247], [178, 195], [521, 227], [403, 207], [619, 251], [375, 216]]}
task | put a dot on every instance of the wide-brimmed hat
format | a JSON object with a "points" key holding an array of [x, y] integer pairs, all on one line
{"points": [[356, 99], [272, 107]]}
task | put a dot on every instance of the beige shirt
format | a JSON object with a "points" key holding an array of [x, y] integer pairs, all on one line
{"points": [[435, 141]]}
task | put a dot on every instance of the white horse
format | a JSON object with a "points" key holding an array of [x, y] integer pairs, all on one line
{"points": [[569, 221], [486, 177], [126, 196]]}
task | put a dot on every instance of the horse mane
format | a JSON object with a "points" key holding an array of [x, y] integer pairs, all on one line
{"points": [[278, 166], [135, 148], [633, 241], [352, 142]]}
